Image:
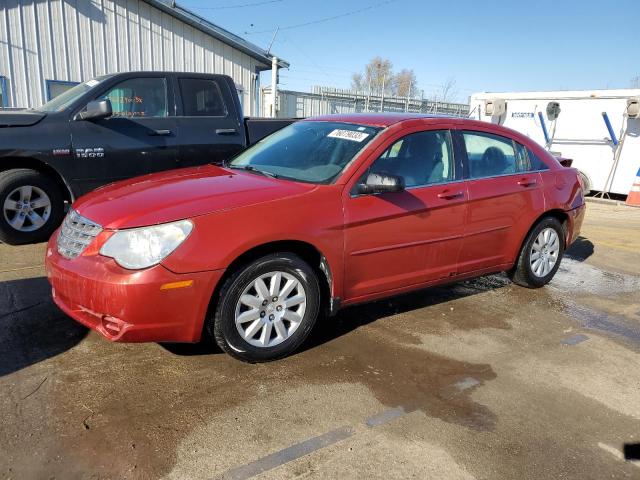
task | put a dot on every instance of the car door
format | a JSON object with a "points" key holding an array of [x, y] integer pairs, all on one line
{"points": [[139, 137], [504, 199], [395, 240], [209, 120]]}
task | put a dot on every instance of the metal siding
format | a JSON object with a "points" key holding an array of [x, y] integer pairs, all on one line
{"points": [[5, 67], [75, 40]]}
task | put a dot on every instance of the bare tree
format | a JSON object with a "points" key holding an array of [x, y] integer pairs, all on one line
{"points": [[446, 92], [377, 74], [404, 83], [635, 82], [357, 82]]}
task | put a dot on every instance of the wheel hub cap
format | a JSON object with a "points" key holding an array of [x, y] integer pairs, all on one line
{"points": [[544, 252], [270, 309], [27, 208]]}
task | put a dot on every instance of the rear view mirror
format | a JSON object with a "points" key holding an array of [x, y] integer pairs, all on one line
{"points": [[381, 183], [96, 110]]}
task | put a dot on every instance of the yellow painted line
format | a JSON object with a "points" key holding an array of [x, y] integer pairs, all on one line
{"points": [[174, 285]]}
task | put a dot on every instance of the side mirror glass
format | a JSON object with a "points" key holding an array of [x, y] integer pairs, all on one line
{"points": [[381, 183], [96, 110]]}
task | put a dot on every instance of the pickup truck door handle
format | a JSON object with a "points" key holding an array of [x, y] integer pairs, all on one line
{"points": [[226, 131], [527, 182], [160, 133], [447, 195]]}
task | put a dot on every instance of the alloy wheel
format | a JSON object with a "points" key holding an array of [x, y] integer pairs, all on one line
{"points": [[27, 208], [544, 252], [270, 309]]}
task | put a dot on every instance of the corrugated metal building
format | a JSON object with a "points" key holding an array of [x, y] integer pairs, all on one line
{"points": [[47, 46]]}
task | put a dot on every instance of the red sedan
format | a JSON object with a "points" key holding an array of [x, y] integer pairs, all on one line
{"points": [[325, 213]]}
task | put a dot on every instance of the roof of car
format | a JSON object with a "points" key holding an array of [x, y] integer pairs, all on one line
{"points": [[385, 120]]}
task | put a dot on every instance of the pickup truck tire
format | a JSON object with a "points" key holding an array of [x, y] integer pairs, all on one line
{"points": [[31, 206], [541, 254], [266, 308]]}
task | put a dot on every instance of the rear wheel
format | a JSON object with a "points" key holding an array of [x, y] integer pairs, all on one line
{"points": [[32, 206], [266, 309], [541, 254]]}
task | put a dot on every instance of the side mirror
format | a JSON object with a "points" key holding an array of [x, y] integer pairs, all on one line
{"points": [[96, 110], [381, 183]]}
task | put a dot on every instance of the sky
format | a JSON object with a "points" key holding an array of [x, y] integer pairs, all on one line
{"points": [[484, 45]]}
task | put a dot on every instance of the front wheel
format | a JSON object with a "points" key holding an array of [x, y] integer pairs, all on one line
{"points": [[32, 206], [267, 308], [541, 254]]}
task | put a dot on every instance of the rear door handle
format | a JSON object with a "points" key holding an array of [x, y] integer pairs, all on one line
{"points": [[525, 182], [160, 133], [226, 131], [446, 195]]}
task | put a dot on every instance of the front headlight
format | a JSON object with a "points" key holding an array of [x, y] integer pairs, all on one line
{"points": [[138, 248]]}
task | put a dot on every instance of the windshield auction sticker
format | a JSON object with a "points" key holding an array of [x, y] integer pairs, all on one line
{"points": [[348, 135]]}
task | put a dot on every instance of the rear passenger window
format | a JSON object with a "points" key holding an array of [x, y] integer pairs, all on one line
{"points": [[489, 155], [535, 162], [201, 98], [421, 158]]}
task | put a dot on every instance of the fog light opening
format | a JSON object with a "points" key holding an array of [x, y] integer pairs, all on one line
{"points": [[112, 326]]}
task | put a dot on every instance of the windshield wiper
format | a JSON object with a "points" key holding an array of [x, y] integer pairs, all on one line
{"points": [[251, 168]]}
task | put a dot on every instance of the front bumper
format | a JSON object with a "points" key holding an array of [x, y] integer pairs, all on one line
{"points": [[151, 305]]}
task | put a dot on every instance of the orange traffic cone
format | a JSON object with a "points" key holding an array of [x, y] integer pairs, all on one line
{"points": [[633, 198]]}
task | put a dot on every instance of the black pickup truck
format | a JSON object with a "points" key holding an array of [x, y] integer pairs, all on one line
{"points": [[111, 128]]}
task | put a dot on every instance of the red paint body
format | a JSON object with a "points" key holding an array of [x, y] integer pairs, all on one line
{"points": [[374, 245]]}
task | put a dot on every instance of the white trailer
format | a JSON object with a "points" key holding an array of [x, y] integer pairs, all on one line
{"points": [[598, 129]]}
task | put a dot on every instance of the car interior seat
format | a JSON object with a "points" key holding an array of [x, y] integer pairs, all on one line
{"points": [[494, 162]]}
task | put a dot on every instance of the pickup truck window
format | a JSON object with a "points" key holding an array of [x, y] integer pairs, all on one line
{"points": [[201, 98], [313, 152], [68, 98], [139, 97]]}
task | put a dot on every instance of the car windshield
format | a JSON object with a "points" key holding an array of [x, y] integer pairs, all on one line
{"points": [[66, 99], [314, 152]]}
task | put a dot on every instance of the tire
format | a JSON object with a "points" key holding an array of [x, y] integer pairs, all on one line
{"points": [[42, 191], [531, 273], [247, 341]]}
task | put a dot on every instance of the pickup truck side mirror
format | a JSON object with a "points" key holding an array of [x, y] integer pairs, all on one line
{"points": [[96, 110], [381, 183]]}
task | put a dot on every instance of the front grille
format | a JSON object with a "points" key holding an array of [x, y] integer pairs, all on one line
{"points": [[75, 234]]}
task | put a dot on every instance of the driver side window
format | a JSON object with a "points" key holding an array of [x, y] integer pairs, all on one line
{"points": [[421, 158], [139, 97]]}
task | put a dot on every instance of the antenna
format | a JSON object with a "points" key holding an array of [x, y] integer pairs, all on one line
{"points": [[273, 40]]}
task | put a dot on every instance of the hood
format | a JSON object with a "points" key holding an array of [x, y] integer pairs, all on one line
{"points": [[20, 118], [179, 194]]}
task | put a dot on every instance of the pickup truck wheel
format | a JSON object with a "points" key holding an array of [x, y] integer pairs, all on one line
{"points": [[32, 206], [541, 254], [266, 309]]}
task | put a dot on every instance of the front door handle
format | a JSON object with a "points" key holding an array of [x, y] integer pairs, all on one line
{"points": [[226, 131], [526, 182], [160, 133], [447, 195]]}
